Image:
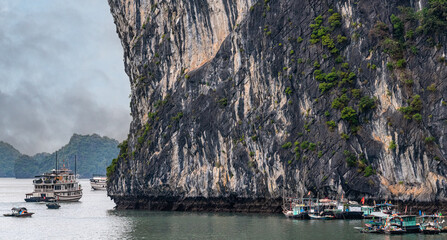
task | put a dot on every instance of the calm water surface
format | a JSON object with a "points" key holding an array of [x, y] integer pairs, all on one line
{"points": [[94, 218]]}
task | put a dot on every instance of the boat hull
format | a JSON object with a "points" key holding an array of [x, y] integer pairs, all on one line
{"points": [[98, 182], [349, 215], [395, 232], [39, 199], [302, 216], [316, 217], [412, 229], [432, 232], [99, 187], [19, 215], [72, 198]]}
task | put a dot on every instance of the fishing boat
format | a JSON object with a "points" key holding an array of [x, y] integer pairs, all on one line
{"points": [[394, 230], [19, 212], [298, 208], [322, 210], [348, 210], [342, 209], [98, 182], [58, 184], [369, 229], [430, 224], [298, 212], [393, 225], [407, 223], [382, 210], [53, 205], [373, 226]]}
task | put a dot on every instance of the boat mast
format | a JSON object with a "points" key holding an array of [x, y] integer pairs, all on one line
{"points": [[55, 180], [75, 167], [56, 165]]}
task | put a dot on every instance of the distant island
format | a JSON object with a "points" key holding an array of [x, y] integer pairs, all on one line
{"points": [[93, 152]]}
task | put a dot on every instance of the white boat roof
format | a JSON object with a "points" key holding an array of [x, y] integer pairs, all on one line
{"points": [[380, 214]]}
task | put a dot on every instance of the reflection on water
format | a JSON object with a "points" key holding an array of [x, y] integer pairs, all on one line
{"points": [[94, 218], [181, 225]]}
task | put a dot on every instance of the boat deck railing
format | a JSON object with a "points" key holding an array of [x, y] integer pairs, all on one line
{"points": [[37, 182], [43, 190]]}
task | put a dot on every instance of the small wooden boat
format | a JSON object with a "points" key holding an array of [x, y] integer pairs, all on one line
{"points": [[394, 230], [369, 229], [318, 217], [53, 205], [297, 208], [19, 212]]}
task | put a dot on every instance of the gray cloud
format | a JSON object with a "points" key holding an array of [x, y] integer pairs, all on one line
{"points": [[61, 72]]}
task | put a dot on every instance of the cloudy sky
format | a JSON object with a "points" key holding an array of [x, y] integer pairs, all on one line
{"points": [[61, 72]]}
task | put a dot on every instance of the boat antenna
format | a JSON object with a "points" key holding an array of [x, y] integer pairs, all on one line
{"points": [[56, 162], [75, 167], [56, 166]]}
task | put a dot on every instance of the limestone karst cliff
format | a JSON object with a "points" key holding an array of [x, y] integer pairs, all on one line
{"points": [[238, 103]]}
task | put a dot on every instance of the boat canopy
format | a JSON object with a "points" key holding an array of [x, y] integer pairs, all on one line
{"points": [[379, 214], [385, 205], [19, 209]]}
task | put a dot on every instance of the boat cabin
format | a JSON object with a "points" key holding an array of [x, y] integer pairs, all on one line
{"points": [[406, 222], [367, 210]]}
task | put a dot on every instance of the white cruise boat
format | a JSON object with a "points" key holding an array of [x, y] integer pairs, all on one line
{"points": [[98, 182], [60, 185]]}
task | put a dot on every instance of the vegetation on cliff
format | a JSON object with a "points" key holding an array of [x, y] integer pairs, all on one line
{"points": [[329, 97]]}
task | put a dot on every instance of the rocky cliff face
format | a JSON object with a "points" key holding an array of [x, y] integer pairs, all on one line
{"points": [[238, 103]]}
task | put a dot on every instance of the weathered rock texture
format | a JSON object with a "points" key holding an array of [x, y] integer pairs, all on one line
{"points": [[220, 88]]}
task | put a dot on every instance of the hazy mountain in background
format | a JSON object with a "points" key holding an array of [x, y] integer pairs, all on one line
{"points": [[93, 152], [8, 154]]}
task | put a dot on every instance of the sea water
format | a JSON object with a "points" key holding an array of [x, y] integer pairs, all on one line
{"points": [[94, 217]]}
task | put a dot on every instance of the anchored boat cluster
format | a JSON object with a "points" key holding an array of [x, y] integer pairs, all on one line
{"points": [[313, 208], [384, 218], [58, 185]]}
